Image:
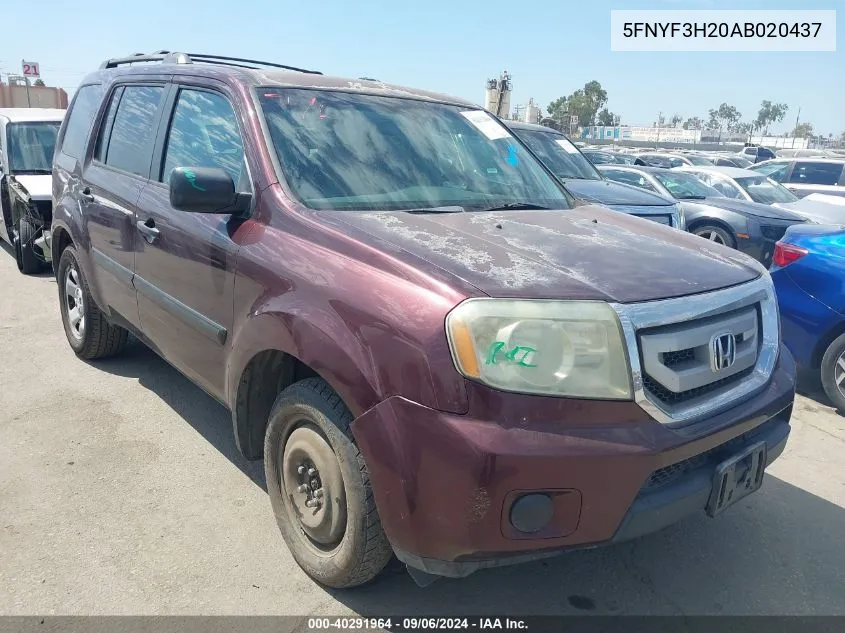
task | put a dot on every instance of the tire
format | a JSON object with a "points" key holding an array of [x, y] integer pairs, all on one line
{"points": [[341, 543], [715, 234], [88, 332], [28, 262], [833, 372]]}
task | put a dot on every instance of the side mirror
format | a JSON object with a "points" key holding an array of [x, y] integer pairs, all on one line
{"points": [[206, 190]]}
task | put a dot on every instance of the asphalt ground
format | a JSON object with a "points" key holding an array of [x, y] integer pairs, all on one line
{"points": [[122, 492]]}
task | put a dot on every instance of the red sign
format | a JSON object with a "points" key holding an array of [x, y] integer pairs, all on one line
{"points": [[31, 69]]}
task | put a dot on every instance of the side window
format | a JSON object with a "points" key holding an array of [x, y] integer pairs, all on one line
{"points": [[676, 162], [775, 171], [816, 173], [82, 112], [750, 151], [108, 124], [130, 146], [204, 133]]}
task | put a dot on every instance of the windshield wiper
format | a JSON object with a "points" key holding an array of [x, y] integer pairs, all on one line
{"points": [[522, 206], [445, 209], [691, 197]]}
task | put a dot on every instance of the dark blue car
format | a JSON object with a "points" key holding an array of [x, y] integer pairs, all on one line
{"points": [[809, 273]]}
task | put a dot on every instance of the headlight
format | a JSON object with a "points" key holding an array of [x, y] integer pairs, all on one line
{"points": [[682, 220], [559, 348]]}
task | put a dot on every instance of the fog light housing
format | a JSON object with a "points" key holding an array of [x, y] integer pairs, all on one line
{"points": [[531, 513]]}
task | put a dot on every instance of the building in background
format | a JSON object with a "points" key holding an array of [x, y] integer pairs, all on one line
{"points": [[15, 95]]}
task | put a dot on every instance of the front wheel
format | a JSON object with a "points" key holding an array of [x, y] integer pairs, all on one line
{"points": [[715, 234], [28, 262], [319, 487], [833, 373]]}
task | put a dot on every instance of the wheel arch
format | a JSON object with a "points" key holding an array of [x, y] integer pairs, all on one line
{"points": [[711, 220], [258, 371], [824, 342]]}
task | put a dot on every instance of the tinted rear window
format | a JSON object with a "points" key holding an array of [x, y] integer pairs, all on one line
{"points": [[82, 112], [133, 133]]}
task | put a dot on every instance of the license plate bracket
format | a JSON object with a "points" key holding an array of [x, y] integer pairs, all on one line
{"points": [[736, 478]]}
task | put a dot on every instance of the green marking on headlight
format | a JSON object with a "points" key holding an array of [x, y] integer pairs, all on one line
{"points": [[517, 355]]}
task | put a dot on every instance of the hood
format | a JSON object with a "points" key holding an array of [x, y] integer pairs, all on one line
{"points": [[39, 187], [755, 209], [584, 253], [609, 193], [818, 208]]}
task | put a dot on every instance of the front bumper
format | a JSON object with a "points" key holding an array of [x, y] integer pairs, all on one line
{"points": [[444, 483]]}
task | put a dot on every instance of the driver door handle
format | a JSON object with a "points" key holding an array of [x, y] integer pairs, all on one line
{"points": [[148, 230]]}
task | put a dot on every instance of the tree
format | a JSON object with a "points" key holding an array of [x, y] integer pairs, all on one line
{"points": [[39, 82], [769, 113], [583, 103], [675, 121], [725, 116], [606, 117], [803, 130], [693, 123]]}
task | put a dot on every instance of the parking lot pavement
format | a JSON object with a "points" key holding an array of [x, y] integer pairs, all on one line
{"points": [[121, 492]]}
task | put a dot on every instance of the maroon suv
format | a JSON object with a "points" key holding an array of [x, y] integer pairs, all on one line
{"points": [[436, 352]]}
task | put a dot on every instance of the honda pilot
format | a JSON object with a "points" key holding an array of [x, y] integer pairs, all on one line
{"points": [[436, 352]]}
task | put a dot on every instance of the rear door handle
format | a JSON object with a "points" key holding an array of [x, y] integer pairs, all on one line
{"points": [[148, 230]]}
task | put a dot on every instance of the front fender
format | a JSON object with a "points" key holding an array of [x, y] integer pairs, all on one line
{"points": [[334, 355]]}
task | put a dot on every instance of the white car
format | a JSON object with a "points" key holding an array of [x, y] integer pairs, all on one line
{"points": [[803, 176], [27, 141], [742, 184]]}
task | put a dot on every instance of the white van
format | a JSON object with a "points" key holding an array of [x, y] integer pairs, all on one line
{"points": [[27, 141]]}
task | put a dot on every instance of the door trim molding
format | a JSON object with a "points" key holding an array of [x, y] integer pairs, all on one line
{"points": [[120, 272], [206, 326]]}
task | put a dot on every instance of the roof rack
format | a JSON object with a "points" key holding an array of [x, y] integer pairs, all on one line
{"points": [[172, 57]]}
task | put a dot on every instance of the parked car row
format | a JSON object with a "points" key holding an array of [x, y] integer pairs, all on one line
{"points": [[449, 338]]}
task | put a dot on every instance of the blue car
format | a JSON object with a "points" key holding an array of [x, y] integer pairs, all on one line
{"points": [[809, 273]]}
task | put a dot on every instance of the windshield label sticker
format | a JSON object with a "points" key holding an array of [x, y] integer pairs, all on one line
{"points": [[513, 159], [518, 355], [486, 124], [569, 147]]}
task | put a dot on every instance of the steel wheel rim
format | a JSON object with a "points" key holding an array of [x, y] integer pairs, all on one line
{"points": [[312, 484], [839, 374], [74, 303], [712, 236]]}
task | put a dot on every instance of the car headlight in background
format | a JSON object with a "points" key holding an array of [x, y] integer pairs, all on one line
{"points": [[559, 348], [682, 220]]}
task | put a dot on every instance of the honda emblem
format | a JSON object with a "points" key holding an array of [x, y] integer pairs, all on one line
{"points": [[722, 352]]}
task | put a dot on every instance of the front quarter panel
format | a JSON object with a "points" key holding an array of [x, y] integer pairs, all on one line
{"points": [[369, 332]]}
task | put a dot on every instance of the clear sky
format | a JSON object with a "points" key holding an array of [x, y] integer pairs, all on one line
{"points": [[452, 46]]}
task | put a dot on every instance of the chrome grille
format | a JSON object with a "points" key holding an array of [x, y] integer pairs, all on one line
{"points": [[677, 359], [668, 343]]}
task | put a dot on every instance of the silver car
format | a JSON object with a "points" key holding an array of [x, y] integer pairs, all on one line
{"points": [[803, 176], [742, 184]]}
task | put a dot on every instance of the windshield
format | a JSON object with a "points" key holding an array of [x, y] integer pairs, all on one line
{"points": [[699, 160], [345, 151], [31, 145], [559, 154], [685, 186], [765, 190]]}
